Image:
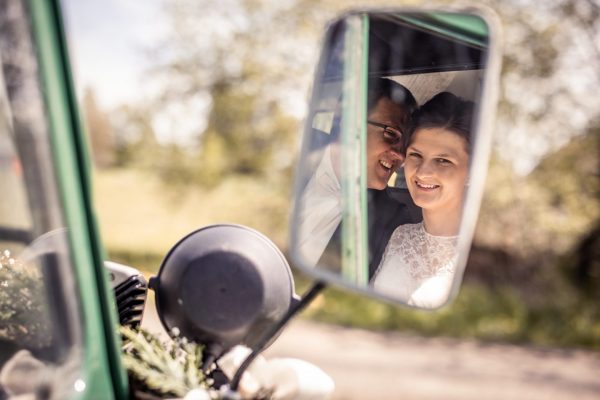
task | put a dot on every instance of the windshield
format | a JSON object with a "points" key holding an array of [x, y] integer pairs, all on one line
{"points": [[39, 334]]}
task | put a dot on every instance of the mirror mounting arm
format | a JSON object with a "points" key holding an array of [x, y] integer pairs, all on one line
{"points": [[295, 308]]}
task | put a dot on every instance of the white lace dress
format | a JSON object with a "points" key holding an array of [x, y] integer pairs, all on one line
{"points": [[417, 267]]}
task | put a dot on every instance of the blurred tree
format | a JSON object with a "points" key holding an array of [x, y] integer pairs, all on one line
{"points": [[135, 139], [100, 131], [585, 263], [567, 187], [541, 206], [528, 225], [569, 180], [219, 54], [250, 60], [546, 101]]}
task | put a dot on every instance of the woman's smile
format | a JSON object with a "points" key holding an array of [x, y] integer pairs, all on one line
{"points": [[436, 169], [425, 186]]}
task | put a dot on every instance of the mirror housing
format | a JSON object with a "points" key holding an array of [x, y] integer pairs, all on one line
{"points": [[349, 196]]}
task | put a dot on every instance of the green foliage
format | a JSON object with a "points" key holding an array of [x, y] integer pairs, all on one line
{"points": [[477, 312], [240, 139], [141, 217], [135, 143], [99, 130], [543, 229], [243, 136], [172, 368], [176, 167], [240, 148], [23, 310], [146, 261], [568, 185]]}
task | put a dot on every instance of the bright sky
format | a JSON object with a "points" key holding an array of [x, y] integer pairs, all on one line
{"points": [[110, 41], [107, 41]]}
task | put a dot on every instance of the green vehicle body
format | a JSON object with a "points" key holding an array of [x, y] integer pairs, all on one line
{"points": [[103, 371]]}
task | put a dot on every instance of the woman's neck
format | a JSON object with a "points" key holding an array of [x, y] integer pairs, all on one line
{"points": [[441, 222]]}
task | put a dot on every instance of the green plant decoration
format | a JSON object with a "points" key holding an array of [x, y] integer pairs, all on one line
{"points": [[170, 369], [23, 311]]}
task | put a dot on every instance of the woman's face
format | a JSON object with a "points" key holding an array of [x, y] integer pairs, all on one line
{"points": [[436, 169], [383, 157]]}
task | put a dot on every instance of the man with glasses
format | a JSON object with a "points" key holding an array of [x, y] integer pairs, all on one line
{"points": [[389, 106]]}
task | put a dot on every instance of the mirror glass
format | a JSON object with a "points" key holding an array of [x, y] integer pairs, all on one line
{"points": [[391, 154]]}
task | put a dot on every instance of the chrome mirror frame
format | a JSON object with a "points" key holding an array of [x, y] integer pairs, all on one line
{"points": [[353, 197]]}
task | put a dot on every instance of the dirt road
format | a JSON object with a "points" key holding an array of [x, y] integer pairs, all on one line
{"points": [[368, 365]]}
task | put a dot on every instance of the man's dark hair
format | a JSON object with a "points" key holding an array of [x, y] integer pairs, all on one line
{"points": [[382, 87], [444, 110]]}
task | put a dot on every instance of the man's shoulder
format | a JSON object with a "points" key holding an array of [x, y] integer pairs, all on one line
{"points": [[391, 199]]}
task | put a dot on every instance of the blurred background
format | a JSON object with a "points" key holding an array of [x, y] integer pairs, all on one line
{"points": [[194, 108]]}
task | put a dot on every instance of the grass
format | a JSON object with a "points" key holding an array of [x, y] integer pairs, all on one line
{"points": [[499, 315], [137, 214], [140, 220]]}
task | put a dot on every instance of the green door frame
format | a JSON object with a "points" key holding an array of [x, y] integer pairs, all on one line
{"points": [[103, 372]]}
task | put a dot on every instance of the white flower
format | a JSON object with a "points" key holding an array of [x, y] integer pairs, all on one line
{"points": [[197, 394]]}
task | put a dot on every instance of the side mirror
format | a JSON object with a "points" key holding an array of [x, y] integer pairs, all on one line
{"points": [[395, 152]]}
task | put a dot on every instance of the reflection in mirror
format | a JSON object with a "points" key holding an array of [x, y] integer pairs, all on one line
{"points": [[319, 209], [420, 259], [393, 113]]}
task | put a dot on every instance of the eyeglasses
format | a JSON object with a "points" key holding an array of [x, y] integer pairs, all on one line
{"points": [[391, 135]]}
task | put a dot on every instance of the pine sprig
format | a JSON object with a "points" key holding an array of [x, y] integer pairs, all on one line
{"points": [[24, 315], [171, 368]]}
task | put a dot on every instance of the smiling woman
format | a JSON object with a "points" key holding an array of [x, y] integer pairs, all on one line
{"points": [[436, 169], [437, 162], [420, 260]]}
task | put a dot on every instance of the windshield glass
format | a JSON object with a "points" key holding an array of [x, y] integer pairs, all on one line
{"points": [[39, 334]]}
